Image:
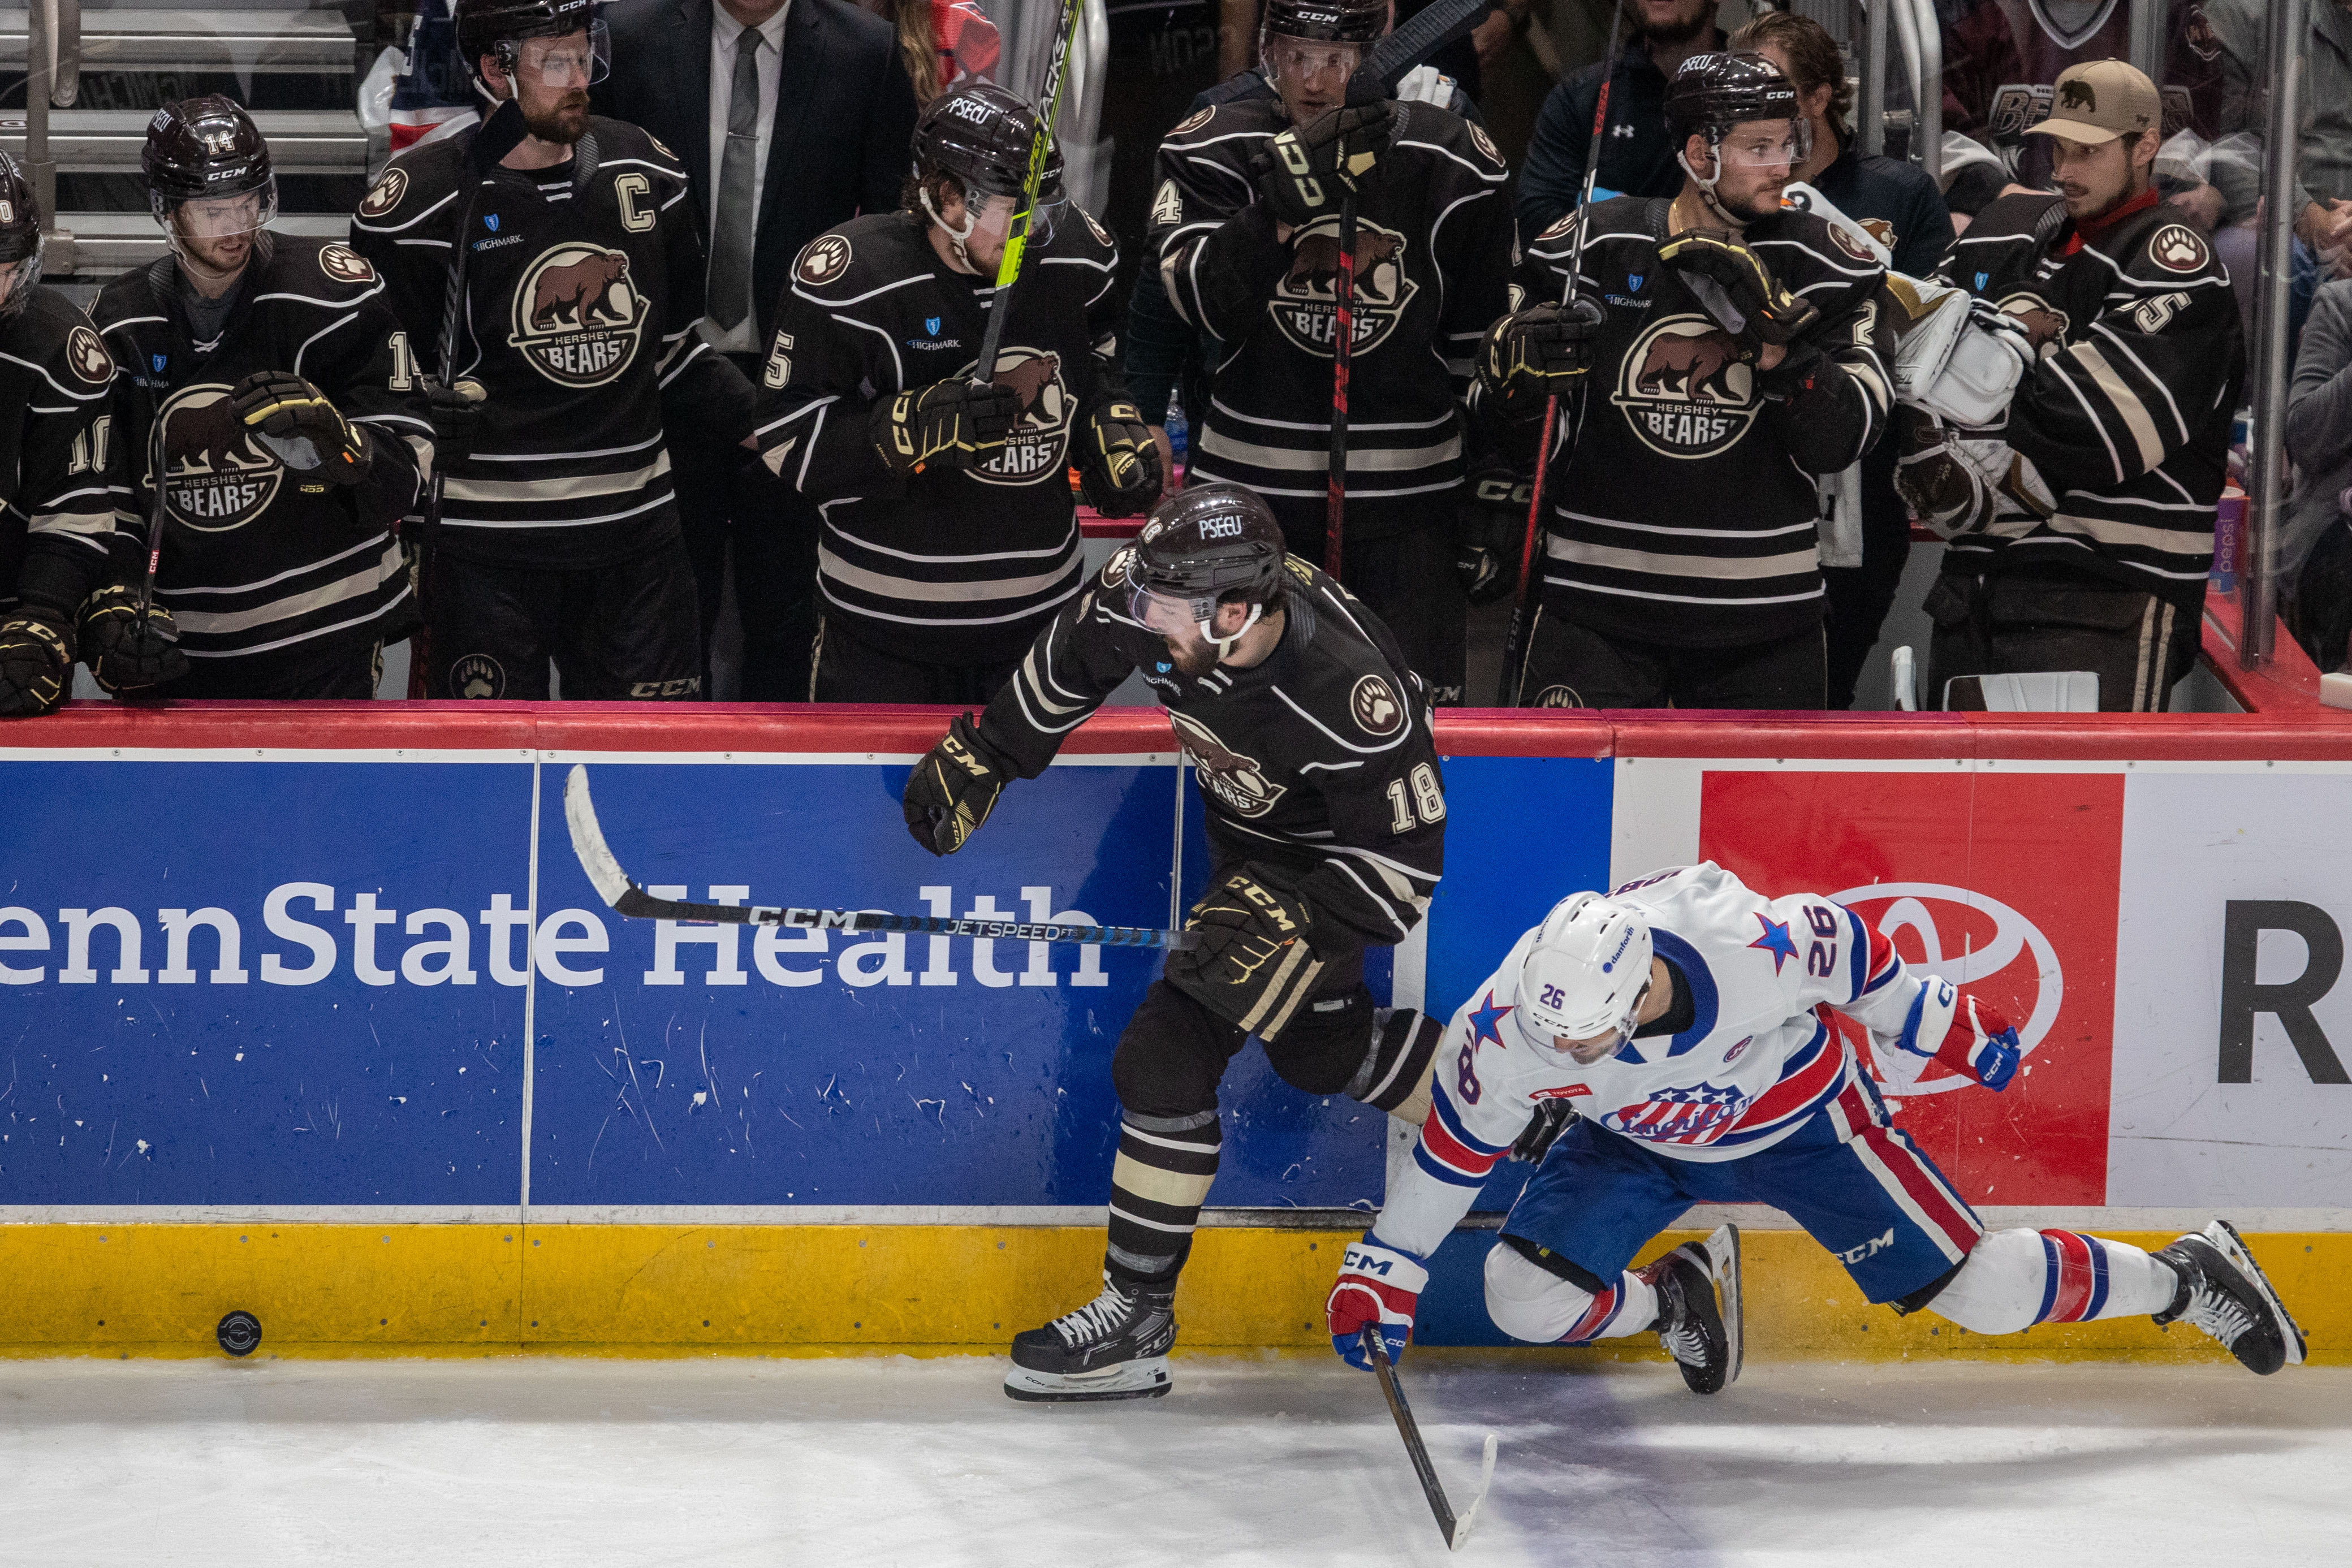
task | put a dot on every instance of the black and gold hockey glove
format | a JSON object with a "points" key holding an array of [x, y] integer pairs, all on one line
{"points": [[948, 424], [294, 420], [1737, 289], [126, 652], [1490, 526], [952, 789], [1549, 1120], [37, 657], [1118, 462], [1254, 966], [1305, 171], [1539, 351]]}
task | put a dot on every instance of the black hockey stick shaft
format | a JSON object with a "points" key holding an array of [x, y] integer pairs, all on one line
{"points": [[1033, 184], [623, 894], [1431, 29], [1343, 348], [1377, 1350], [1515, 648]]}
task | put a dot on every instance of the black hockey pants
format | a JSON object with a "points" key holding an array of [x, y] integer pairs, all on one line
{"points": [[625, 630], [1569, 665], [1408, 580], [348, 674], [2016, 623], [847, 668]]}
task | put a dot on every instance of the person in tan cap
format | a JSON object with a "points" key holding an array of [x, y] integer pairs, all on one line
{"points": [[2081, 522]]}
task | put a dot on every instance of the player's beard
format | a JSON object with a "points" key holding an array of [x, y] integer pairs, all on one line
{"points": [[1674, 34], [563, 122], [1195, 657]]}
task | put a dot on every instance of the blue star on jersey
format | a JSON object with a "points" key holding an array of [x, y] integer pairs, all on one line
{"points": [[1484, 1019], [1775, 941]]}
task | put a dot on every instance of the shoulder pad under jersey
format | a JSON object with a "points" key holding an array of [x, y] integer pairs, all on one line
{"points": [[323, 271], [855, 258], [415, 189], [52, 341]]}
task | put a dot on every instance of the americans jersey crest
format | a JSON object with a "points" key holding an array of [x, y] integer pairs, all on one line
{"points": [[576, 318], [1683, 390], [1303, 304]]}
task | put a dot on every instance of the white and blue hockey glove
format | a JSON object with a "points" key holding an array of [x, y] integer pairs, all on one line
{"points": [[1969, 1036], [1378, 1285]]}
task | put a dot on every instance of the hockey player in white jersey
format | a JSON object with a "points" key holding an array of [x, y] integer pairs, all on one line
{"points": [[1682, 1017]]}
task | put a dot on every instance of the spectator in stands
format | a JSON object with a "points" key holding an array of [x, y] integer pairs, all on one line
{"points": [[1637, 158], [2323, 175], [2314, 549], [1899, 205], [791, 119]]}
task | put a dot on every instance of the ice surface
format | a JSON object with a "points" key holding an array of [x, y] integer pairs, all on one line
{"points": [[716, 1463]]}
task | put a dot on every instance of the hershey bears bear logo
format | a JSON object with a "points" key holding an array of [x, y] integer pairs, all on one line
{"points": [[1485, 143], [344, 264], [1040, 442], [216, 477], [87, 356], [1850, 243], [476, 675], [1303, 304], [1193, 122], [1374, 705], [576, 317], [2045, 325], [1232, 780], [2177, 249], [822, 259], [1683, 390], [386, 193]]}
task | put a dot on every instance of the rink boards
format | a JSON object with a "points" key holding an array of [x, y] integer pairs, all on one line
{"points": [[314, 1013]]}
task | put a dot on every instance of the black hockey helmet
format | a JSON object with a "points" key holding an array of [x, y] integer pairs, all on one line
{"points": [[1327, 21], [1712, 93], [1206, 545], [498, 28], [207, 149], [980, 132], [20, 234]]}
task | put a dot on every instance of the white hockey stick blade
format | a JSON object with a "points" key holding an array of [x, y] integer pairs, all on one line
{"points": [[588, 844], [1469, 1520]]}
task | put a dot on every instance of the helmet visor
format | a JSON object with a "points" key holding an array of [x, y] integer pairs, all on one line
{"points": [[992, 214], [1310, 67], [17, 281], [225, 217], [1760, 144], [1172, 614], [574, 60]]}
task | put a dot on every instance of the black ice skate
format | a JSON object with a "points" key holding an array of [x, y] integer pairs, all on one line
{"points": [[2225, 1292], [1698, 1309], [1114, 1347]]}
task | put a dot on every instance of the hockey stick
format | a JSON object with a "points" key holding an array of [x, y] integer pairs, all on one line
{"points": [[1343, 349], [1515, 649], [1455, 1531], [1431, 29], [625, 896], [1016, 238], [501, 134]]}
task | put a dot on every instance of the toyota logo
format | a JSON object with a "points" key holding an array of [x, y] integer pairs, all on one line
{"points": [[1914, 905]]}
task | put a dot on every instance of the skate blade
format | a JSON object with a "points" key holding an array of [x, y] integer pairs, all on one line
{"points": [[1722, 1263], [1146, 1379], [2224, 1236]]}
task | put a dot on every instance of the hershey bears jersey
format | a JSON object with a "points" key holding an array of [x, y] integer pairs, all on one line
{"points": [[59, 454], [1669, 411], [257, 561], [2127, 417], [1432, 257], [1317, 763], [1756, 1059], [952, 564], [583, 284]]}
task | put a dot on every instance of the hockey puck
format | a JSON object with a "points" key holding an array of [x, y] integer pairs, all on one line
{"points": [[239, 1333]]}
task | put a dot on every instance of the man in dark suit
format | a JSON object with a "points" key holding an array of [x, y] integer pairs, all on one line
{"points": [[791, 116]]}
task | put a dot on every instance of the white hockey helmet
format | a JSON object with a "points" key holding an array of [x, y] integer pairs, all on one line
{"points": [[1586, 973]]}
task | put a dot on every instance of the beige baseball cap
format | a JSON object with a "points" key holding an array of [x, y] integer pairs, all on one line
{"points": [[2100, 100]]}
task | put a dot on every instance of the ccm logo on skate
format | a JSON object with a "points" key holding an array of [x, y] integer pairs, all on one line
{"points": [[1942, 929]]}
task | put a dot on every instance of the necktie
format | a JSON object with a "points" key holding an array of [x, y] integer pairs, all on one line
{"points": [[739, 180]]}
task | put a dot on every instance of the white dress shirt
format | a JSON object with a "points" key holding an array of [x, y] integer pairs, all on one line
{"points": [[724, 30]]}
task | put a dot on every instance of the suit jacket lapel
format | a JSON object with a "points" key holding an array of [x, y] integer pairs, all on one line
{"points": [[691, 81], [797, 83]]}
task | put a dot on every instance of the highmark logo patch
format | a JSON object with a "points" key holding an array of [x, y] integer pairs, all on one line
{"points": [[216, 477], [1683, 390], [1304, 307], [576, 317], [1040, 442]]}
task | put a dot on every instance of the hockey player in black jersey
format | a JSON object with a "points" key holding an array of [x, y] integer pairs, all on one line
{"points": [[949, 536], [1327, 830], [56, 458], [558, 536], [1249, 254], [263, 374], [1719, 352]]}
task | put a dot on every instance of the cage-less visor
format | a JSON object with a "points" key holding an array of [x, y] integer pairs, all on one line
{"points": [[221, 217], [576, 60]]}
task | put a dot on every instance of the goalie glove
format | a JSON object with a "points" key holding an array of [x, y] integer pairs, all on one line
{"points": [[1969, 1036], [36, 658], [949, 424], [1737, 289], [1302, 173], [1377, 1285], [1252, 967], [125, 651], [294, 420], [1118, 462], [952, 790]]}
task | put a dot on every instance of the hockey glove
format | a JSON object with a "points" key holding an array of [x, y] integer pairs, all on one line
{"points": [[1943, 488], [952, 789], [1965, 1034], [1303, 173], [1539, 351], [125, 651], [1490, 527], [1254, 966], [1738, 289], [949, 425], [1550, 1119], [1119, 463], [456, 419], [37, 657], [1377, 1285], [294, 420]]}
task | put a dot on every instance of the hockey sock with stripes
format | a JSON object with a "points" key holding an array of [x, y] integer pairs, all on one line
{"points": [[1548, 1300], [2015, 1279], [1158, 1184]]}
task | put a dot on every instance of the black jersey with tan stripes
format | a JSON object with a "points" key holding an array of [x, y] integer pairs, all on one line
{"points": [[1432, 261], [58, 458], [950, 564], [259, 562], [584, 285], [1318, 763], [1682, 496], [2126, 414]]}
